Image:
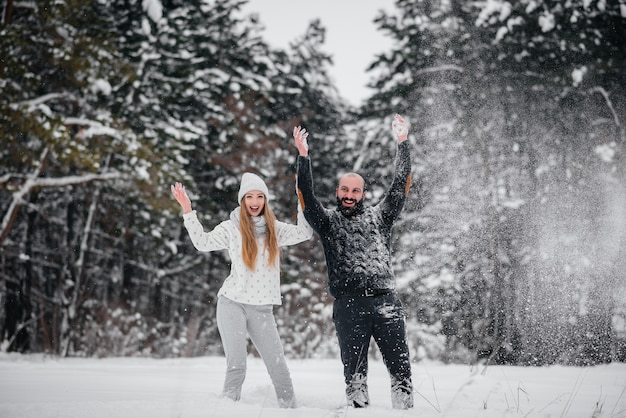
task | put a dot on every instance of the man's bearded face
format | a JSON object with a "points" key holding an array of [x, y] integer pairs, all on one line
{"points": [[350, 194], [348, 206]]}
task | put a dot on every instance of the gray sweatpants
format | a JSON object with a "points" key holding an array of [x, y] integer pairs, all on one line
{"points": [[235, 321]]}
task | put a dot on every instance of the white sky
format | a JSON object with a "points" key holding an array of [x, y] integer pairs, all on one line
{"points": [[351, 36]]}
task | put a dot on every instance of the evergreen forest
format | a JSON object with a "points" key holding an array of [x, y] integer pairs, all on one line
{"points": [[511, 246]]}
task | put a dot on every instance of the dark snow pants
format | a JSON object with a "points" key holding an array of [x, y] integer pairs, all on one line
{"points": [[357, 320]]}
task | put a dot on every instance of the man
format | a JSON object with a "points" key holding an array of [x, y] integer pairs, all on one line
{"points": [[356, 241]]}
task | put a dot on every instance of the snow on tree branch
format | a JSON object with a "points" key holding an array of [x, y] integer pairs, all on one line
{"points": [[95, 128], [39, 100], [609, 104], [34, 182], [71, 180], [447, 67]]}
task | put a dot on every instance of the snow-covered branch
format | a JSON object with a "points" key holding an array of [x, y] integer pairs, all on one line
{"points": [[39, 100], [95, 128], [605, 94], [609, 104], [34, 181], [447, 67], [70, 180]]}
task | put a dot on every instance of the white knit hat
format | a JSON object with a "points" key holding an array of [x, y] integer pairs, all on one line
{"points": [[249, 182]]}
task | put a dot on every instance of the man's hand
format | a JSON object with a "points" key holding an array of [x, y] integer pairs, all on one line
{"points": [[300, 135], [400, 128], [178, 190]]}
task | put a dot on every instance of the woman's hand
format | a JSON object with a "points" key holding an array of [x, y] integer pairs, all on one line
{"points": [[300, 134], [178, 190]]}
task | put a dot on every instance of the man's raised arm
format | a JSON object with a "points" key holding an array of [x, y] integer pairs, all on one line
{"points": [[394, 200], [313, 210]]}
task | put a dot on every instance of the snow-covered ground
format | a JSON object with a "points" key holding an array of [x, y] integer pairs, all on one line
{"points": [[41, 387]]}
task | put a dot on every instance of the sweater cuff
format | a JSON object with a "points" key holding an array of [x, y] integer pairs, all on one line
{"points": [[190, 215]]}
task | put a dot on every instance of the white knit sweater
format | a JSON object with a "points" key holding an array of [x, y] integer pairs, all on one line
{"points": [[258, 287]]}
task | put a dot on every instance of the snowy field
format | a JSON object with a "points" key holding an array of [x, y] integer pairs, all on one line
{"points": [[41, 387]]}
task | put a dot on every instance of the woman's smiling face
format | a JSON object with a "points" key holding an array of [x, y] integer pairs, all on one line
{"points": [[254, 202]]}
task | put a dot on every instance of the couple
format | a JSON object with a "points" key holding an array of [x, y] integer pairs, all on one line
{"points": [[356, 243]]}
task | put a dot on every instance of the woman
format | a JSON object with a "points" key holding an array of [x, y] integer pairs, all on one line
{"points": [[253, 238]]}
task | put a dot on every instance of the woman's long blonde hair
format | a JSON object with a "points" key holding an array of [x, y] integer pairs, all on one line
{"points": [[249, 248]]}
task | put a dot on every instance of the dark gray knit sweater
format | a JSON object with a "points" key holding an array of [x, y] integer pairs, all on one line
{"points": [[357, 248]]}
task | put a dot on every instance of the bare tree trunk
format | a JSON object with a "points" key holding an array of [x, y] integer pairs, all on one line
{"points": [[7, 17], [18, 198], [74, 304]]}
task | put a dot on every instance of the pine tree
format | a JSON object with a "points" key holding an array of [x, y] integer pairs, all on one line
{"points": [[502, 126], [67, 155], [566, 123]]}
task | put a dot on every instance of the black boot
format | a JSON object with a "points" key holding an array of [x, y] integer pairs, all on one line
{"points": [[356, 392], [401, 394]]}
